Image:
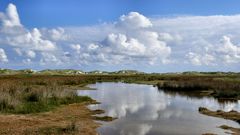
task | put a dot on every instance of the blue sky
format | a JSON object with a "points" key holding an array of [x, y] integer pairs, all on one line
{"points": [[155, 36], [52, 13]]}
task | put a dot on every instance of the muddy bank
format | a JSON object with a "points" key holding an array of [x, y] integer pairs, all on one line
{"points": [[232, 115], [234, 131], [228, 130]]}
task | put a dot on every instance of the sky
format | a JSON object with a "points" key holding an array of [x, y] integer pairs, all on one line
{"points": [[155, 36]]}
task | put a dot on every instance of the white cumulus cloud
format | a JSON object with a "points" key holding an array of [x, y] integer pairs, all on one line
{"points": [[229, 51], [11, 18], [134, 20], [182, 42], [3, 56]]}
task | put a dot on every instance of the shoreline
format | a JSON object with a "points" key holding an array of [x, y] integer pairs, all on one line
{"points": [[231, 115]]}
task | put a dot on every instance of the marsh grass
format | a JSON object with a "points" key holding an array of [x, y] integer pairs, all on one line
{"points": [[220, 88], [27, 96], [40, 93], [24, 94]]}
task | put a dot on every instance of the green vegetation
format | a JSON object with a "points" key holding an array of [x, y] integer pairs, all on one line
{"points": [[34, 94], [35, 101], [64, 72], [24, 94], [226, 86], [30, 93]]}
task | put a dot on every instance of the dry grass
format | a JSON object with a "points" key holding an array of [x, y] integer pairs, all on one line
{"points": [[71, 119]]}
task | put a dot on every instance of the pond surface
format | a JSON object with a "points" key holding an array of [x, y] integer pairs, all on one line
{"points": [[145, 110]]}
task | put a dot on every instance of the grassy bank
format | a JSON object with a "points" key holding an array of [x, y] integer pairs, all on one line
{"points": [[23, 96]]}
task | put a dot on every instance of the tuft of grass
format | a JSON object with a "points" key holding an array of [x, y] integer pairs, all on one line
{"points": [[4, 105], [71, 128]]}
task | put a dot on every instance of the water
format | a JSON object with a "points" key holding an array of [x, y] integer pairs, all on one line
{"points": [[145, 110]]}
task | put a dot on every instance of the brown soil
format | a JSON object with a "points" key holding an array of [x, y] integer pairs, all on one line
{"points": [[58, 118]]}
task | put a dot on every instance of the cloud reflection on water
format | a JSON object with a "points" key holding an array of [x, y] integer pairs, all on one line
{"points": [[142, 109]]}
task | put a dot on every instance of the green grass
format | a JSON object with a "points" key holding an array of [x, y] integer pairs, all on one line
{"points": [[42, 105]]}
